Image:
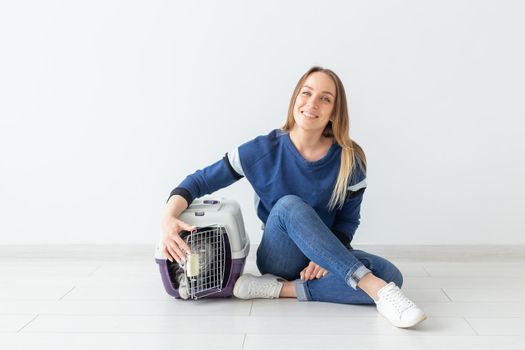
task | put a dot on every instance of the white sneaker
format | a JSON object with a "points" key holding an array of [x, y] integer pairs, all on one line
{"points": [[249, 286], [394, 305]]}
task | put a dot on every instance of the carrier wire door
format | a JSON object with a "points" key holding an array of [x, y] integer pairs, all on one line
{"points": [[205, 265]]}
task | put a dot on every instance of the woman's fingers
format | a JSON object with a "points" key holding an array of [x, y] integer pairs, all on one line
{"points": [[167, 253], [180, 242], [170, 251], [173, 249], [305, 274], [312, 271], [183, 226], [318, 272], [174, 246], [308, 271], [176, 252]]}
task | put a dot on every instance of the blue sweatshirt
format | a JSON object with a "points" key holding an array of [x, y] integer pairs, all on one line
{"points": [[275, 168]]}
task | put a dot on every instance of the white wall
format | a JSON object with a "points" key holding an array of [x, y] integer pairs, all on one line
{"points": [[107, 105]]}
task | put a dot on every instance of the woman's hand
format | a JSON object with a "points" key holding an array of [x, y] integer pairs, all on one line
{"points": [[312, 271], [173, 244]]}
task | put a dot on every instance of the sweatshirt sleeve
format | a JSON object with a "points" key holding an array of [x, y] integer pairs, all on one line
{"points": [[204, 181], [347, 218]]}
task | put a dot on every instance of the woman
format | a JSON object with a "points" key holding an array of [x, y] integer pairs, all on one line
{"points": [[310, 178]]}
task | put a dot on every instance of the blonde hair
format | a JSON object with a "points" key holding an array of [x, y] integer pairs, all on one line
{"points": [[339, 130]]}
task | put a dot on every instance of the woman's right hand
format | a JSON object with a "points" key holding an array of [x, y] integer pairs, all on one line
{"points": [[173, 243]]}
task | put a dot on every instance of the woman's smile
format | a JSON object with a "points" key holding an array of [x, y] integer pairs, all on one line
{"points": [[309, 115]]}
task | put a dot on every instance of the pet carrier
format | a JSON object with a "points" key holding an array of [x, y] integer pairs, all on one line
{"points": [[218, 250]]}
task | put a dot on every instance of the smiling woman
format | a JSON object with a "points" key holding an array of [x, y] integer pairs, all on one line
{"points": [[320, 97], [310, 212]]}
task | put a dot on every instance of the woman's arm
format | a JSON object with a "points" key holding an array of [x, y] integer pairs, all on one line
{"points": [[175, 206], [206, 181], [213, 177]]}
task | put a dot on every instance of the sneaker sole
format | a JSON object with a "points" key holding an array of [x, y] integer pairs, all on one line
{"points": [[408, 324]]}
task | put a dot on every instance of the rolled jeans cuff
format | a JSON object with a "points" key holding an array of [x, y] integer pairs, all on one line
{"points": [[356, 276], [301, 291]]}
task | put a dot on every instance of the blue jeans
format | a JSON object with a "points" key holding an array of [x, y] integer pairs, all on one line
{"points": [[294, 235]]}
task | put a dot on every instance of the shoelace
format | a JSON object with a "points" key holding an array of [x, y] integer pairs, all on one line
{"points": [[400, 301], [261, 289]]}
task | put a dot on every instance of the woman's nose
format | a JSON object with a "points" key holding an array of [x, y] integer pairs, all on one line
{"points": [[312, 102]]}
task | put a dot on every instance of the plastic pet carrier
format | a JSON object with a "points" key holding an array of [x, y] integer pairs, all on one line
{"points": [[219, 247]]}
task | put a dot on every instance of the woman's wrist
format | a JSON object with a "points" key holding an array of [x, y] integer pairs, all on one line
{"points": [[175, 206]]}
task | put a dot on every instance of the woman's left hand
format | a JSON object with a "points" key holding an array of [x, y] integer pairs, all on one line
{"points": [[312, 271]]}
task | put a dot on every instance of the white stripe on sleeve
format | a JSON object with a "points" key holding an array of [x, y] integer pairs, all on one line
{"points": [[235, 161], [357, 186]]}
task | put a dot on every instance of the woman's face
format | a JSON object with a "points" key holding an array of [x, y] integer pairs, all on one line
{"points": [[315, 102]]}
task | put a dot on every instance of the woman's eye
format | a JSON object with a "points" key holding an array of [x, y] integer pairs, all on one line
{"points": [[305, 93], [326, 99]]}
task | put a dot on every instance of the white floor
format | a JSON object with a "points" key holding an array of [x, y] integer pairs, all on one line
{"points": [[61, 298]]}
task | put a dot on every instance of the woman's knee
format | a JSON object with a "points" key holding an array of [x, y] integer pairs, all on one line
{"points": [[291, 206], [288, 202]]}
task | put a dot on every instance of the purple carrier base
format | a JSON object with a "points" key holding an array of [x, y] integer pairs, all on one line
{"points": [[235, 272]]}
